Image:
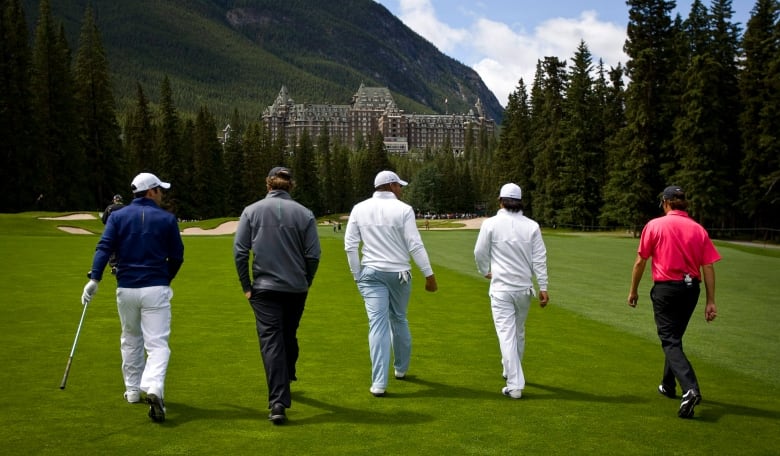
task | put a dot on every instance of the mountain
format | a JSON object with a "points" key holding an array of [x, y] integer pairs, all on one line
{"points": [[237, 54]]}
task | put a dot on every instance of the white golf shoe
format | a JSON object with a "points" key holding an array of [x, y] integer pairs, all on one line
{"points": [[514, 394], [377, 392], [133, 396]]}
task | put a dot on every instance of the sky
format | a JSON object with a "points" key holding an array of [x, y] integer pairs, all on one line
{"points": [[503, 39]]}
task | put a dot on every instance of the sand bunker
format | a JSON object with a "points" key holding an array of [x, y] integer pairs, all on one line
{"points": [[72, 217], [74, 230], [225, 228]]}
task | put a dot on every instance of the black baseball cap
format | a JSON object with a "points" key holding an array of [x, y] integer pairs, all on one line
{"points": [[672, 192], [280, 171]]}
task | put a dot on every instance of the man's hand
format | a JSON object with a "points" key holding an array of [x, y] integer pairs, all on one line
{"points": [[89, 290], [430, 283], [710, 312], [632, 298], [544, 298]]}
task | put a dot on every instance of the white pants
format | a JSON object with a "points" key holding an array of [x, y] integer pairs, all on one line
{"points": [[510, 310], [145, 316]]}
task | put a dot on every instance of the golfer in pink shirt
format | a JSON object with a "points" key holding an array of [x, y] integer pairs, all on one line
{"points": [[683, 256]]}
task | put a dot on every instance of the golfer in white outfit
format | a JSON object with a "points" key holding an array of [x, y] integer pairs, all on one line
{"points": [[510, 252]]}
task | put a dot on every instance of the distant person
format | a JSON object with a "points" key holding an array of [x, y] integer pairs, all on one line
{"points": [[282, 235], [116, 204], [510, 252], [387, 229], [150, 253], [683, 255]]}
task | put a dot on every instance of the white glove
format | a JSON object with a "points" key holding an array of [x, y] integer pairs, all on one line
{"points": [[89, 290]]}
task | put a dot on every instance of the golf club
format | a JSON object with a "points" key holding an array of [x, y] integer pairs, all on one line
{"points": [[73, 349]]}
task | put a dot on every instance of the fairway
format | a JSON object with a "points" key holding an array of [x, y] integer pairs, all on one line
{"points": [[592, 362]]}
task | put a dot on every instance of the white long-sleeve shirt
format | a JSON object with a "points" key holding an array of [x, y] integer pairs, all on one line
{"points": [[510, 247], [389, 234]]}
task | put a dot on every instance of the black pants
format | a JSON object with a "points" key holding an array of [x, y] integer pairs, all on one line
{"points": [[277, 315], [673, 305]]}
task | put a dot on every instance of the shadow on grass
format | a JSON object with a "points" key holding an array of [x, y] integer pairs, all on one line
{"points": [[435, 389], [335, 413], [557, 393], [713, 411], [180, 413]]}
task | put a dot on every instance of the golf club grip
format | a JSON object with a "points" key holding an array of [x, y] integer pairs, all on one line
{"points": [[67, 371]]}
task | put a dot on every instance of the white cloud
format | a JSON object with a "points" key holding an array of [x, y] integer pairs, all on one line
{"points": [[420, 16], [502, 55]]}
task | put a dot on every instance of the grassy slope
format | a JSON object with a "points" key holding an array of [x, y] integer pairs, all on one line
{"points": [[592, 362]]}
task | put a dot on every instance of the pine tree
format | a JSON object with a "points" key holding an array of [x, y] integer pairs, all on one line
{"points": [[581, 145], [187, 200], [634, 178], [60, 172], [366, 163], [17, 126], [140, 137], [548, 120], [760, 93], [305, 172], [208, 168], [703, 138], [513, 160], [255, 171], [445, 163], [325, 167], [342, 179], [99, 132], [167, 160], [423, 193], [614, 111], [234, 165], [726, 51]]}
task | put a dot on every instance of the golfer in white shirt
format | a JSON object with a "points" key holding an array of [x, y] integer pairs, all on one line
{"points": [[510, 252], [386, 226]]}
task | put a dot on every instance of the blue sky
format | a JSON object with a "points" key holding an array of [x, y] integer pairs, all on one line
{"points": [[503, 39]]}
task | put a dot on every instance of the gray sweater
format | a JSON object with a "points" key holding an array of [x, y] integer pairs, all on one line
{"points": [[282, 235]]}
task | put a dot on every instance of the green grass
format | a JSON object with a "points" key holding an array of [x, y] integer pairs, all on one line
{"points": [[591, 361]]}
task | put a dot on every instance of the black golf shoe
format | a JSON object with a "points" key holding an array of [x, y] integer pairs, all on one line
{"points": [[277, 415], [156, 408], [666, 391], [689, 400]]}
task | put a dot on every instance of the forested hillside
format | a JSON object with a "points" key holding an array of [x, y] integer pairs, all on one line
{"points": [[236, 54]]}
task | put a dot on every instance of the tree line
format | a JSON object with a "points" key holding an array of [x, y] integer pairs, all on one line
{"points": [[699, 111], [695, 105]]}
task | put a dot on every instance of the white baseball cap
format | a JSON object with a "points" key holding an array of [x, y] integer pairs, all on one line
{"points": [[145, 181], [388, 177], [511, 191]]}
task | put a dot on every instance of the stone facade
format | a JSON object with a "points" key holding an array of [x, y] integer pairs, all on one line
{"points": [[373, 110]]}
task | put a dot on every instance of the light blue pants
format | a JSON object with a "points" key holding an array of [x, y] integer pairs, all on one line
{"points": [[510, 310], [386, 296]]}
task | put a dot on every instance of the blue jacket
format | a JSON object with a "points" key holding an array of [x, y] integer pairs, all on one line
{"points": [[148, 244]]}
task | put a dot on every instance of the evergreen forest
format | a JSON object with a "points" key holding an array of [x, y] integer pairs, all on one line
{"points": [[695, 105]]}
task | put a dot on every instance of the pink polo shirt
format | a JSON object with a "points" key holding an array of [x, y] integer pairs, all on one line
{"points": [[678, 245]]}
